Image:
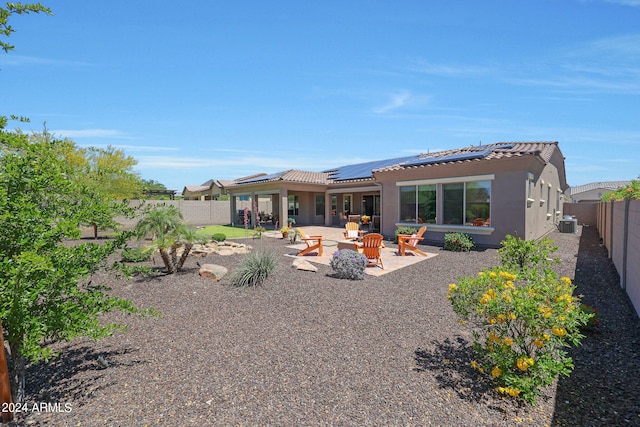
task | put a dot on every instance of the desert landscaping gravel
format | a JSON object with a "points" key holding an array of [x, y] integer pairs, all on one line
{"points": [[308, 349]]}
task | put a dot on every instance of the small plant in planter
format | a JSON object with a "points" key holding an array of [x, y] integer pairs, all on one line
{"points": [[458, 242], [349, 264], [285, 232], [365, 219], [293, 235], [291, 222]]}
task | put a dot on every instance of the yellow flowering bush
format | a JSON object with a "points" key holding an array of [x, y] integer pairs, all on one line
{"points": [[522, 320], [631, 192]]}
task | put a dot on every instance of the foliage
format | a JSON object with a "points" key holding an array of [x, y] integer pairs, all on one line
{"points": [[406, 230], [45, 288], [631, 192], [254, 269], [150, 185], [522, 320], [257, 232], [291, 221], [168, 231], [18, 9], [517, 253], [349, 264], [285, 229], [458, 242], [293, 235], [136, 254], [219, 237]]}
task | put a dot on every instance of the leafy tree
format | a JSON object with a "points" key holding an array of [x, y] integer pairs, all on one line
{"points": [[17, 9], [150, 185], [168, 231], [45, 288]]}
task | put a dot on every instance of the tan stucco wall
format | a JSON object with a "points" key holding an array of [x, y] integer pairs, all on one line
{"points": [[510, 211]]}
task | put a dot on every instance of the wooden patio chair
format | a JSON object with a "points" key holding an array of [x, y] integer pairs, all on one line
{"points": [[371, 245], [410, 242], [313, 243], [352, 231]]}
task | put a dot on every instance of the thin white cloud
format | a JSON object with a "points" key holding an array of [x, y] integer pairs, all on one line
{"points": [[19, 60], [447, 70], [633, 3], [397, 101], [88, 133]]}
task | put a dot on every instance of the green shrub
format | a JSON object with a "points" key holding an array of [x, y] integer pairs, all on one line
{"points": [[136, 254], [404, 230], [458, 242], [349, 264], [254, 269], [520, 254], [219, 237]]}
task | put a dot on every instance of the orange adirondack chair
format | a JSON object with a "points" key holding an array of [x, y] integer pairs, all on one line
{"points": [[313, 243], [371, 245], [410, 242]]}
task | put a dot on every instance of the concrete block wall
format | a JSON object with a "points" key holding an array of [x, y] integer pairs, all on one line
{"points": [[619, 228], [195, 212]]}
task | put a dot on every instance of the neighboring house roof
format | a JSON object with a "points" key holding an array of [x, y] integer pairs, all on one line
{"points": [[607, 185], [477, 153], [196, 188]]}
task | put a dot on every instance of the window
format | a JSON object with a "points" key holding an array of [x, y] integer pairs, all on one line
{"points": [[334, 205], [408, 203], [453, 196], [293, 205], [464, 202], [320, 204], [427, 204], [418, 204], [477, 201], [346, 204]]}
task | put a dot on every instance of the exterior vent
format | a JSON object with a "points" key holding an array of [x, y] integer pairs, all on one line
{"points": [[568, 225]]}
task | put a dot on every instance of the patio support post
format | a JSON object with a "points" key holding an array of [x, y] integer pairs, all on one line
{"points": [[232, 207], [284, 206], [328, 219], [254, 208]]}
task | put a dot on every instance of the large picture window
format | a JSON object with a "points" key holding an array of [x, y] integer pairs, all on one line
{"points": [[463, 203]]}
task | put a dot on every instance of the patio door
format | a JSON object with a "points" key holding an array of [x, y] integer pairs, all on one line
{"points": [[371, 204]]}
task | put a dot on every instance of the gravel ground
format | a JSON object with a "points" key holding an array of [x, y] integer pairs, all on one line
{"points": [[309, 349]]}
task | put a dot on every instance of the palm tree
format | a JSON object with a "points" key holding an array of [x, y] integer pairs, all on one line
{"points": [[168, 231]]}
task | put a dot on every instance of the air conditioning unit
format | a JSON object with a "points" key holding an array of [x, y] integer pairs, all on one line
{"points": [[568, 225]]}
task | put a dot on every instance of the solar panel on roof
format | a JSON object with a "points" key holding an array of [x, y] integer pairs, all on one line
{"points": [[363, 170], [468, 155], [262, 178]]}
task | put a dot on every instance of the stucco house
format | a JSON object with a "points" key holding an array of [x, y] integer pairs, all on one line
{"points": [[593, 191], [487, 191]]}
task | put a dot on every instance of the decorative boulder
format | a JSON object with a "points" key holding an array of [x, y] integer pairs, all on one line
{"points": [[301, 264], [212, 271]]}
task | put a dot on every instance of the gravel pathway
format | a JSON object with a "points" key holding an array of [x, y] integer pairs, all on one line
{"points": [[307, 349]]}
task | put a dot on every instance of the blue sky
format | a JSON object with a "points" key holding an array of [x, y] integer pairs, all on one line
{"points": [[217, 89]]}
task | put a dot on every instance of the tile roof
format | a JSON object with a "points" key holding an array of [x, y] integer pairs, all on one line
{"points": [[196, 188], [477, 153], [291, 175], [607, 185]]}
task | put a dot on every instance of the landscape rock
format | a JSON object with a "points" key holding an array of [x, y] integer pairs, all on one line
{"points": [[304, 265], [212, 271]]}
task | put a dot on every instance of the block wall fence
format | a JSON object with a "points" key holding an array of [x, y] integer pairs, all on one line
{"points": [[619, 227]]}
